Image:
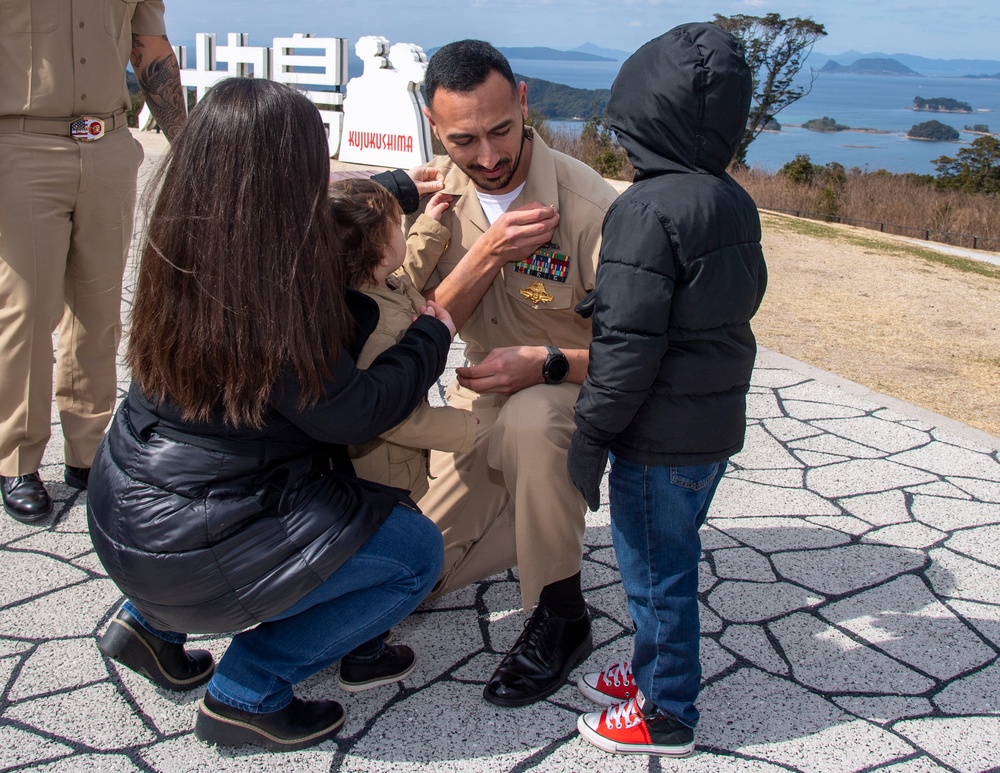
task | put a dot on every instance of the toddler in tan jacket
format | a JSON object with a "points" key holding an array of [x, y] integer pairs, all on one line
{"points": [[369, 223]]}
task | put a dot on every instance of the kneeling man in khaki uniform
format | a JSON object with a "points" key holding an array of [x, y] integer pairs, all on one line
{"points": [[523, 234]]}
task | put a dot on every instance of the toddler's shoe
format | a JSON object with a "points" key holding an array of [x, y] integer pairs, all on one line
{"points": [[613, 685], [395, 662], [637, 727]]}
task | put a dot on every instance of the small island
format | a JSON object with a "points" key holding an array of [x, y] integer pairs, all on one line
{"points": [[941, 105], [824, 124], [869, 67], [933, 130]]}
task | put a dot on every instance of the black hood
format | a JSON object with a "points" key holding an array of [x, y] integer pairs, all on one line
{"points": [[680, 103]]}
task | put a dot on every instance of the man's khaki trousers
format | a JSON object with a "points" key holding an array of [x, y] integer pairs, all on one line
{"points": [[510, 500], [66, 211]]}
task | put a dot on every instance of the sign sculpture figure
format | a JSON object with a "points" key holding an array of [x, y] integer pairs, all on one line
{"points": [[384, 124]]}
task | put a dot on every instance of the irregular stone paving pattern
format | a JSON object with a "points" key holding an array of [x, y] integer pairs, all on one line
{"points": [[850, 596]]}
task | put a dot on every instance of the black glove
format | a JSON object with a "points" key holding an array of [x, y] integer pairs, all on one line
{"points": [[586, 462]]}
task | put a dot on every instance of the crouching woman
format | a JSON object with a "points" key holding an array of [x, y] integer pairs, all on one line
{"points": [[222, 498]]}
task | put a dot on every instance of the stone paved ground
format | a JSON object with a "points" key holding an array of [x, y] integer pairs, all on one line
{"points": [[850, 610]]}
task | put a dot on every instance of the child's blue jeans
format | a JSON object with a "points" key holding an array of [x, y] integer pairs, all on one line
{"points": [[655, 516]]}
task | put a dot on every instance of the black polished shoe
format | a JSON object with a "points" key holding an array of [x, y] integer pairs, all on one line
{"points": [[25, 498], [167, 664], [395, 662], [76, 477], [298, 725], [541, 659]]}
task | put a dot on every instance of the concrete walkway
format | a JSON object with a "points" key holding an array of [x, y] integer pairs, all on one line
{"points": [[850, 596]]}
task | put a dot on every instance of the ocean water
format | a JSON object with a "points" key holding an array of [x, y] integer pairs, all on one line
{"points": [[881, 102]]}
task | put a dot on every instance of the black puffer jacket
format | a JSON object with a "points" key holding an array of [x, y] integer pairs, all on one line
{"points": [[208, 529], [681, 270]]}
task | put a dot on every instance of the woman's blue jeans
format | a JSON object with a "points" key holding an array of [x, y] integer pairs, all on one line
{"points": [[655, 516], [372, 591]]}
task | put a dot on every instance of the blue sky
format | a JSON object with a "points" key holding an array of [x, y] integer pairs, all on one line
{"points": [[941, 29]]}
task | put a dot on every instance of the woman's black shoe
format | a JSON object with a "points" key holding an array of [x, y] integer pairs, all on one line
{"points": [[298, 725], [395, 662], [167, 664], [25, 498]]}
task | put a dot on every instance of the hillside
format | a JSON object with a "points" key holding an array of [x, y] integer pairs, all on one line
{"points": [[559, 102]]}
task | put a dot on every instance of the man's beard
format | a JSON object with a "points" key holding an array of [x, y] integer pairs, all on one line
{"points": [[503, 181]]}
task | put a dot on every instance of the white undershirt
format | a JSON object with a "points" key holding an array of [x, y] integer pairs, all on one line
{"points": [[496, 205]]}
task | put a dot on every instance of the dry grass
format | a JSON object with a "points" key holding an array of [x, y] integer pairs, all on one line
{"points": [[903, 200], [884, 313]]}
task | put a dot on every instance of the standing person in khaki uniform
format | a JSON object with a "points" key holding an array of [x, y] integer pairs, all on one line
{"points": [[67, 193], [523, 238]]}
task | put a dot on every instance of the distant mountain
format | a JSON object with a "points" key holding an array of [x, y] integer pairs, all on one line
{"points": [[952, 68], [610, 53], [869, 67], [552, 54]]}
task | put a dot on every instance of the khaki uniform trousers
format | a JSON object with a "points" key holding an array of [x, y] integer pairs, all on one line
{"points": [[510, 500], [66, 211]]}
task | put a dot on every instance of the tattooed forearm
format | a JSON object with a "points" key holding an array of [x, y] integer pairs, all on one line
{"points": [[159, 77]]}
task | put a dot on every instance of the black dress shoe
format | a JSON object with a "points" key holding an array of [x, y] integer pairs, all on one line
{"points": [[76, 477], [541, 659], [167, 664], [298, 725], [25, 498]]}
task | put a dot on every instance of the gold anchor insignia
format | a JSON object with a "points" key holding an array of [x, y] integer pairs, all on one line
{"points": [[536, 293]]}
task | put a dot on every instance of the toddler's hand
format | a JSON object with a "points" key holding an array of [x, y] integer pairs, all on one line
{"points": [[438, 204]]}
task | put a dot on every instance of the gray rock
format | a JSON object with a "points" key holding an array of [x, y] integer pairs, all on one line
{"points": [[770, 535], [867, 476], [742, 564], [847, 568], [96, 716], [829, 661], [966, 744], [905, 620], [950, 514], [751, 642], [748, 602], [947, 459], [955, 576], [879, 509], [884, 709], [973, 694], [872, 432]]}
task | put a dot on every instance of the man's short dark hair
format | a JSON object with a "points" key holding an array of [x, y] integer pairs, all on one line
{"points": [[464, 66]]}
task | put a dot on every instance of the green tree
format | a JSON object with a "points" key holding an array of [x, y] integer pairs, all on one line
{"points": [[800, 170], [776, 50], [975, 169], [601, 150]]}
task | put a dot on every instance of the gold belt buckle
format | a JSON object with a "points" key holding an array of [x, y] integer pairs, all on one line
{"points": [[86, 129]]}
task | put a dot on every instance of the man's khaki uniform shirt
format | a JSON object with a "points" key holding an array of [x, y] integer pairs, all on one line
{"points": [[57, 56], [522, 309]]}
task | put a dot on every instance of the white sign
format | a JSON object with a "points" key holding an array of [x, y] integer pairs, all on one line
{"points": [[387, 125], [384, 122]]}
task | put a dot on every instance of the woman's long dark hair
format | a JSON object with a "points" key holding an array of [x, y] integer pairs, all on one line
{"points": [[240, 280]]}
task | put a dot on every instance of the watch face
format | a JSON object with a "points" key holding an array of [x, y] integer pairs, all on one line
{"points": [[556, 368]]}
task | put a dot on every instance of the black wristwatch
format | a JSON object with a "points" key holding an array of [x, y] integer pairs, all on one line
{"points": [[556, 366]]}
